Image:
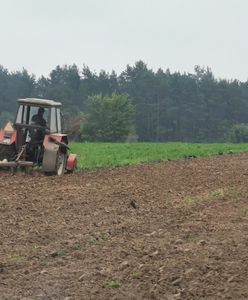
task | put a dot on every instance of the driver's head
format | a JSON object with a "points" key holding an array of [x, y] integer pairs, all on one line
{"points": [[41, 111]]}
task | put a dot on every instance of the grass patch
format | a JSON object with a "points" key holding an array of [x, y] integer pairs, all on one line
{"points": [[190, 201], [93, 155], [187, 201], [17, 259]]}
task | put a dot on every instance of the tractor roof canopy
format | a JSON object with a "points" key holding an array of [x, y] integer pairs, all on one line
{"points": [[39, 102]]}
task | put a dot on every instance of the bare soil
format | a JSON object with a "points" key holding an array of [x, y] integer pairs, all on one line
{"points": [[173, 230]]}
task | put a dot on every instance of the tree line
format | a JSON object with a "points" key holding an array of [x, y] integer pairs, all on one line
{"points": [[166, 106]]}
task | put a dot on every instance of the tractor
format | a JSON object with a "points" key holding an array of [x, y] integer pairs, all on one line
{"points": [[36, 138]]}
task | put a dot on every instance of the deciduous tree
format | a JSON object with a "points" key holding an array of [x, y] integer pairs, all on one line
{"points": [[109, 118]]}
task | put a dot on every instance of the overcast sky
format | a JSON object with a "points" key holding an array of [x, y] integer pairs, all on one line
{"points": [[109, 34]]}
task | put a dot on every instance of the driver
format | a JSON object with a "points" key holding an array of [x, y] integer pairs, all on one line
{"points": [[38, 118]]}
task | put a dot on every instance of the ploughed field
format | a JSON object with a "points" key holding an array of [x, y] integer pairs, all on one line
{"points": [[172, 230]]}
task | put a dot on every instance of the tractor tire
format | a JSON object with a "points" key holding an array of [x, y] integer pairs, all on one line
{"points": [[7, 152], [61, 163]]}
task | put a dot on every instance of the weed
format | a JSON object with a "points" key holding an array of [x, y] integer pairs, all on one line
{"points": [[244, 212], [217, 193], [59, 252], [136, 275], [98, 239], [76, 247], [188, 200], [17, 259], [1, 267], [36, 248], [114, 284]]}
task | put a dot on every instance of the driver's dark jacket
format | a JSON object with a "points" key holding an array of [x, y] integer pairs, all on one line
{"points": [[38, 120]]}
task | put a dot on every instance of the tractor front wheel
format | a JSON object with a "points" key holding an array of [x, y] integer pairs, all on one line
{"points": [[61, 162]]}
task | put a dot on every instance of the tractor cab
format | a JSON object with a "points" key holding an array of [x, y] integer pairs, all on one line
{"points": [[39, 114], [35, 119]]}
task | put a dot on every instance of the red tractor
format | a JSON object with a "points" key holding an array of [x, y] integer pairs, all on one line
{"points": [[36, 139]]}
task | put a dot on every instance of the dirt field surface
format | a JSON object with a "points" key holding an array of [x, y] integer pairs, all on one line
{"points": [[173, 230]]}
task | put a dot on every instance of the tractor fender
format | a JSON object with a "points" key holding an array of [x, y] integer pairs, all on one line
{"points": [[71, 163], [58, 137]]}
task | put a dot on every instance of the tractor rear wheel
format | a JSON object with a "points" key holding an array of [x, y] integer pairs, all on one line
{"points": [[61, 162]]}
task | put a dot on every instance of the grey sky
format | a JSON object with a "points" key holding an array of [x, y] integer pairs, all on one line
{"points": [[109, 34]]}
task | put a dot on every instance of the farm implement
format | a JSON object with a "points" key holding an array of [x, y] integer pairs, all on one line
{"points": [[36, 138]]}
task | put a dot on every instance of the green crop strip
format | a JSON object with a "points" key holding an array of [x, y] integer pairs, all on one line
{"points": [[93, 155]]}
